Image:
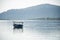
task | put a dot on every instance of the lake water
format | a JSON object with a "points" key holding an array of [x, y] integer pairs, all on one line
{"points": [[32, 30]]}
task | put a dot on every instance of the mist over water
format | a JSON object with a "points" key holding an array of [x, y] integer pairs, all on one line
{"points": [[32, 30]]}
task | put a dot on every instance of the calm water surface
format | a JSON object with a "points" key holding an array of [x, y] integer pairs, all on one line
{"points": [[32, 30]]}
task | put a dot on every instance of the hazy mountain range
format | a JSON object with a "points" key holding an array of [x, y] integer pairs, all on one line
{"points": [[39, 11]]}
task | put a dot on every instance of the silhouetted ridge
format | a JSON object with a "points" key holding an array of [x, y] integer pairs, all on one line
{"points": [[39, 11]]}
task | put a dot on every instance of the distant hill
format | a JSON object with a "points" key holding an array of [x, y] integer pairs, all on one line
{"points": [[39, 11]]}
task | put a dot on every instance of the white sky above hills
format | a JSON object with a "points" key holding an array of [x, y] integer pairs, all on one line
{"points": [[18, 4]]}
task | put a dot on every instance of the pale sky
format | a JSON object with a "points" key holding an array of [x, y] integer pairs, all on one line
{"points": [[19, 4]]}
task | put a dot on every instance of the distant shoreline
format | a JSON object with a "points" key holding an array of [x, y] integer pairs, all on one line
{"points": [[45, 19], [35, 19]]}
